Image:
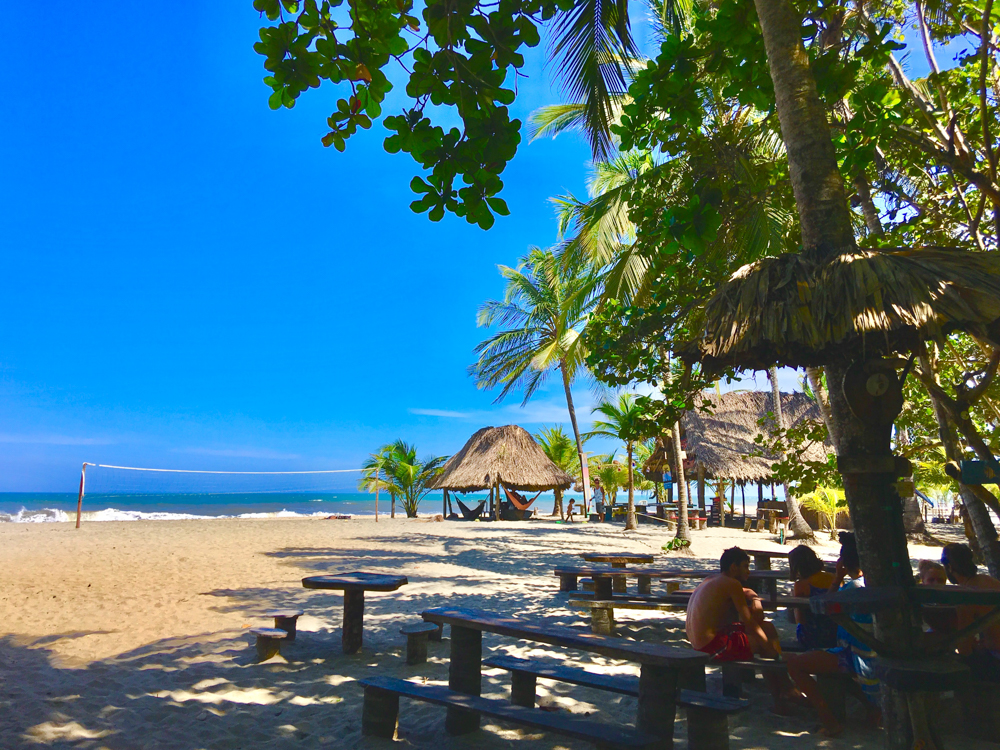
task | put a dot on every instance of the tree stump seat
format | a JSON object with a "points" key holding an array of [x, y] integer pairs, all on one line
{"points": [[708, 723], [416, 640], [268, 642], [380, 714], [285, 619]]}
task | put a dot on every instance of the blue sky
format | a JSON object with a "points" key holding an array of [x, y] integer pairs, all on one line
{"points": [[191, 280]]}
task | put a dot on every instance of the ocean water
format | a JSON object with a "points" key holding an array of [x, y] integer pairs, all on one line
{"points": [[57, 507]]}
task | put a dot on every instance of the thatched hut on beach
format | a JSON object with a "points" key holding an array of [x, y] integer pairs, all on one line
{"points": [[720, 443], [501, 457]]}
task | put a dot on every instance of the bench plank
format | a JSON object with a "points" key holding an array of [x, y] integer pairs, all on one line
{"points": [[621, 684], [603, 735], [592, 572], [614, 648]]}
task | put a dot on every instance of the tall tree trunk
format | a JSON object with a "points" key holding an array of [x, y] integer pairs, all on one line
{"points": [[977, 512], [863, 441], [576, 433], [815, 375], [683, 531], [630, 520], [557, 508], [796, 523], [392, 511]]}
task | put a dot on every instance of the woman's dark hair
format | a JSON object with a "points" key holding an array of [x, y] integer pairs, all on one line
{"points": [[803, 562], [959, 558], [732, 556], [849, 551]]}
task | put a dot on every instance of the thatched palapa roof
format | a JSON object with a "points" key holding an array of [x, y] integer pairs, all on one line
{"points": [[794, 312], [723, 440], [508, 455]]}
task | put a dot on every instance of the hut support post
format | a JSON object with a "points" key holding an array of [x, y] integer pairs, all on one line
{"points": [[444, 503], [743, 492], [701, 485]]}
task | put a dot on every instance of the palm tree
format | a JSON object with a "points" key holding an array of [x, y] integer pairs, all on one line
{"points": [[623, 421], [829, 503], [377, 474], [396, 469], [543, 314], [558, 446], [609, 475], [800, 529]]}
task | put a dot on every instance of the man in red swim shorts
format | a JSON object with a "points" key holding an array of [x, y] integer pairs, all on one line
{"points": [[726, 620]]}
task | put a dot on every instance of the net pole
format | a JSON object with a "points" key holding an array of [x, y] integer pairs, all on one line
{"points": [[79, 499]]}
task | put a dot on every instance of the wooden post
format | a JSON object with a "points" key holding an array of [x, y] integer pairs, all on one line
{"points": [[522, 689], [657, 693], [380, 713], [376, 512], [602, 587], [465, 675], [701, 484], [645, 584], [743, 492], [79, 499], [444, 503], [354, 616], [618, 585], [416, 648]]}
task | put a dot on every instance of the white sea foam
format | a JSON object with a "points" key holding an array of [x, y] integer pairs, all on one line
{"points": [[114, 514], [45, 515]]}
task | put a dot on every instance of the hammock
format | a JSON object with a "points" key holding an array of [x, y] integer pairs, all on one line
{"points": [[518, 501], [470, 514]]}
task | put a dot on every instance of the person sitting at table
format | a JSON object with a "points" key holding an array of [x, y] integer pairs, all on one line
{"points": [[726, 619], [931, 573], [850, 656], [982, 652], [811, 630]]}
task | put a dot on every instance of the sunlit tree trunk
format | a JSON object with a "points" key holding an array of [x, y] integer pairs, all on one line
{"points": [[683, 530], [576, 429], [796, 523], [557, 508], [630, 519]]}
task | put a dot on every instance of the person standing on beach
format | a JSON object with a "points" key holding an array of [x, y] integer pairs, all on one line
{"points": [[982, 654]]}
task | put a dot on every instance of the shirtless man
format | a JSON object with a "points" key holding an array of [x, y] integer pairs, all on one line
{"points": [[983, 653], [725, 619]]}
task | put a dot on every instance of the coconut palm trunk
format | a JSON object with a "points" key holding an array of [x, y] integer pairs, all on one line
{"points": [[683, 530], [557, 507], [863, 444], [631, 522], [576, 429], [796, 523]]}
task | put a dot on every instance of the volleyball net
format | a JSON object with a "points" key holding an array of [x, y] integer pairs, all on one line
{"points": [[113, 481]]}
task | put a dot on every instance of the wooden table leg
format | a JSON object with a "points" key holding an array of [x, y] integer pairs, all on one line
{"points": [[465, 675], [602, 587], [354, 618], [645, 584], [657, 694], [567, 583], [619, 586]]}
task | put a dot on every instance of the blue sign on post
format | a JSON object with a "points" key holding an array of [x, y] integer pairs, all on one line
{"points": [[667, 479], [980, 472]]}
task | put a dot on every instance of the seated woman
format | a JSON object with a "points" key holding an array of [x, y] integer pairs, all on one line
{"points": [[850, 656], [940, 620], [812, 631]]}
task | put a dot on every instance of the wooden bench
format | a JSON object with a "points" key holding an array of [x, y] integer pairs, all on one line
{"points": [[380, 714], [663, 669], [285, 619], [708, 722], [603, 577], [602, 611], [268, 642], [416, 640]]}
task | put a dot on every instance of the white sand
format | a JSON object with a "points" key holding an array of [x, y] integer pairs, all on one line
{"points": [[133, 635]]}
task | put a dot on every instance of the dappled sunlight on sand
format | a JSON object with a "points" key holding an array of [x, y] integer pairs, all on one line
{"points": [[141, 640]]}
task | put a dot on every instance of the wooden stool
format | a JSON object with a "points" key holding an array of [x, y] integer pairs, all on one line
{"points": [[284, 619], [416, 640], [268, 642], [587, 584]]}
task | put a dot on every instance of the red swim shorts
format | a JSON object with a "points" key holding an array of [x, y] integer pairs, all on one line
{"points": [[729, 644]]}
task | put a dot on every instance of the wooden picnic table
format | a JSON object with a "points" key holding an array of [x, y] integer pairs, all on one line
{"points": [[354, 586], [663, 669], [603, 578], [874, 599], [619, 560]]}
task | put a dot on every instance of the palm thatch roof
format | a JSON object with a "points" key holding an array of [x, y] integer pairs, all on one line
{"points": [[791, 311], [723, 440], [508, 455]]}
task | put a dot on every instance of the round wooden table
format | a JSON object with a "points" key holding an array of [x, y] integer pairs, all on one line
{"points": [[354, 586], [621, 560]]}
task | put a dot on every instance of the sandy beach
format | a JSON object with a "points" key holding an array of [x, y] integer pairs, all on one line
{"points": [[135, 635]]}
